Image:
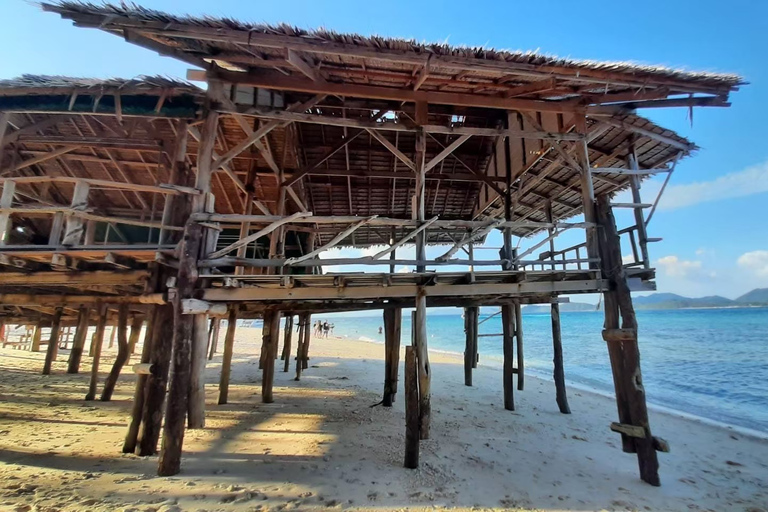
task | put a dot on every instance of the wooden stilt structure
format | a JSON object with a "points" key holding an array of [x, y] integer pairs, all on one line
{"points": [[123, 352], [98, 342], [392, 327], [36, 337], [454, 147], [137, 322]]}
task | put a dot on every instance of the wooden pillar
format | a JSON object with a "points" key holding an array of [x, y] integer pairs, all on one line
{"points": [[587, 190], [470, 348], [157, 382], [286, 356], [271, 335], [411, 409], [214, 336], [303, 339], [136, 325], [76, 355], [623, 349], [6, 201], [559, 371], [131, 437], [392, 327], [519, 344], [36, 337], [123, 353], [53, 341], [196, 412], [508, 328], [99, 340], [305, 345], [419, 198], [74, 230], [112, 336], [226, 361], [425, 372]]}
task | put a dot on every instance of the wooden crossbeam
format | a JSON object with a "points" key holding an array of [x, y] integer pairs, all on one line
{"points": [[301, 65], [255, 236], [446, 152], [391, 147], [627, 172], [405, 239], [619, 123], [474, 235], [332, 243]]}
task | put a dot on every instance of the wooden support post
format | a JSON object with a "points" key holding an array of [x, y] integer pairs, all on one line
{"points": [[226, 361], [519, 343], [131, 437], [214, 337], [136, 324], [305, 345], [98, 341], [419, 199], [559, 371], [36, 338], [123, 353], [196, 411], [73, 233], [271, 335], [642, 233], [157, 382], [392, 327], [76, 355], [587, 190], [411, 409], [470, 348], [508, 326], [622, 346], [425, 372], [53, 341], [286, 356], [112, 336], [304, 333]]}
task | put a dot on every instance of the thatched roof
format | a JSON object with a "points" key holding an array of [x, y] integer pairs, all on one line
{"points": [[516, 59], [28, 81]]}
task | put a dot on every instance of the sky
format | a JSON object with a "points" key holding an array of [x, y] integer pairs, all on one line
{"points": [[712, 217]]}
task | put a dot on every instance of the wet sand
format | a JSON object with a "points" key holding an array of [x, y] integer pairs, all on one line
{"points": [[322, 446]]}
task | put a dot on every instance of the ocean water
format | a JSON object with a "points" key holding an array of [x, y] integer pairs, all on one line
{"points": [[711, 363]]}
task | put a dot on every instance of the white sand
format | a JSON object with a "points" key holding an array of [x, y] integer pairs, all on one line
{"points": [[320, 445]]}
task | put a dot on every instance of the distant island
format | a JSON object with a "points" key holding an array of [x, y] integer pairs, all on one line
{"points": [[756, 297]]}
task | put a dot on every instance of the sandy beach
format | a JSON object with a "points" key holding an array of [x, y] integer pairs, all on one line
{"points": [[322, 445]]}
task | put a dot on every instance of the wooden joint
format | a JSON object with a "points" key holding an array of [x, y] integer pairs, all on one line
{"points": [[628, 430], [620, 335], [201, 307], [660, 445]]}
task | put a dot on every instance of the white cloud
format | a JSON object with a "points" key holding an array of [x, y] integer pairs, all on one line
{"points": [[747, 182], [675, 267], [755, 262]]}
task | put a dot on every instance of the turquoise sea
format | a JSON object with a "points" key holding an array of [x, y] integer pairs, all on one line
{"points": [[711, 363]]}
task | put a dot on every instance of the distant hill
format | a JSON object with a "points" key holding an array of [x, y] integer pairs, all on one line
{"points": [[756, 296], [674, 301]]}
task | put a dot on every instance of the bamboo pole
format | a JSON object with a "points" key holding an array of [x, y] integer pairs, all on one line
{"points": [[98, 343]]}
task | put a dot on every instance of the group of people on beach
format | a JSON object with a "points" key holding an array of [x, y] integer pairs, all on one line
{"points": [[322, 329]]}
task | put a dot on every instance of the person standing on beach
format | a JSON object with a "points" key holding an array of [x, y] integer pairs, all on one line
{"points": [[326, 328]]}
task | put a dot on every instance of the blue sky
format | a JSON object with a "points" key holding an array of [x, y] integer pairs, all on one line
{"points": [[713, 217]]}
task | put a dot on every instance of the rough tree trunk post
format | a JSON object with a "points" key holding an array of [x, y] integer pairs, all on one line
{"points": [[226, 360], [196, 412], [214, 343], [157, 382], [392, 326], [98, 342], [271, 337], [36, 338], [133, 339], [470, 348], [305, 345], [508, 328], [112, 336], [76, 355], [519, 343], [53, 341], [303, 332], [411, 409], [286, 356], [622, 345], [131, 437], [123, 353], [559, 371], [425, 372]]}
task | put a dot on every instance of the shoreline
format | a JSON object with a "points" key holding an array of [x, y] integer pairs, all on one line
{"points": [[322, 446]]}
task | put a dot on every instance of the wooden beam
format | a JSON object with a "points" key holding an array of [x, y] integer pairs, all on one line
{"points": [[332, 243], [405, 239], [446, 152], [619, 123], [262, 232], [301, 65], [392, 149]]}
